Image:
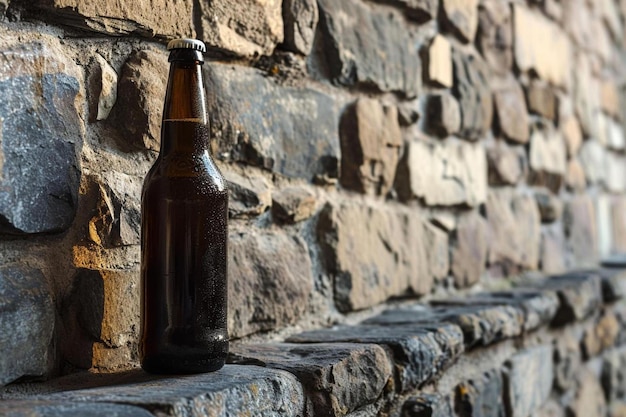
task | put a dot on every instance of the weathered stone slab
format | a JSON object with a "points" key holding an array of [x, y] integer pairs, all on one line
{"points": [[442, 115], [579, 224], [437, 251], [547, 158], [420, 352], [593, 159], [337, 378], [469, 250], [370, 146], [541, 46], [542, 100], [494, 37], [482, 395], [40, 131], [573, 135], [618, 225], [445, 174], [269, 281], [419, 10], [248, 195], [461, 18], [29, 408], [246, 29], [588, 398], [300, 18], [511, 115], [552, 252], [613, 374], [26, 323], [507, 165], [438, 65], [102, 88], [354, 46], [613, 283], [580, 294], [575, 176], [144, 18], [528, 381], [567, 360], [293, 204], [295, 134], [233, 390], [373, 253]]}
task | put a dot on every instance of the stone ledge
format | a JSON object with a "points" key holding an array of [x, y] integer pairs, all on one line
{"points": [[379, 365]]}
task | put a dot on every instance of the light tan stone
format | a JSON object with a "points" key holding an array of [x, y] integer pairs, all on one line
{"points": [[439, 69], [436, 248], [618, 224], [461, 17], [469, 250], [609, 98], [511, 113], [507, 164], [547, 152], [575, 176], [572, 134]]}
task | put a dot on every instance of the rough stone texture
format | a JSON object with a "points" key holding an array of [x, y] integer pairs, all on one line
{"points": [[445, 174], [507, 165], [567, 361], [442, 115], [139, 107], [613, 374], [586, 99], [247, 195], [613, 284], [511, 115], [541, 100], [461, 18], [481, 396], [337, 378], [609, 98], [550, 207], [419, 10], [575, 176], [102, 83], [528, 381], [514, 230], [423, 405], [370, 146], [601, 336], [579, 293], [354, 47], [40, 133], [494, 37], [292, 205], [246, 29], [269, 281], [471, 88], [618, 224], [300, 18], [540, 46], [436, 248], [438, 65], [159, 18], [372, 253], [547, 158], [233, 390], [551, 408], [572, 134], [580, 229], [28, 408], [552, 252], [26, 323], [615, 178], [248, 110], [419, 353], [469, 250]]}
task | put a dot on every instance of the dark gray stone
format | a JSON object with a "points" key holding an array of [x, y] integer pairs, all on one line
{"points": [[528, 380], [420, 352], [613, 283], [354, 47], [300, 18], [40, 130], [426, 405], [580, 294], [292, 131], [471, 88], [419, 10], [337, 378], [481, 396], [26, 323], [61, 409], [233, 390], [614, 374]]}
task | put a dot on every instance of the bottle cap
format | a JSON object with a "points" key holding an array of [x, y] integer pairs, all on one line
{"points": [[186, 44]]}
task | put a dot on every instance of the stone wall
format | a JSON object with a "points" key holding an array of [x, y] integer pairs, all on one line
{"points": [[374, 150]]}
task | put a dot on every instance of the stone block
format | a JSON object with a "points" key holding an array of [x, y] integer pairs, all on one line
{"points": [[248, 195], [354, 47], [145, 18], [586, 97], [580, 229], [580, 294], [601, 336], [542, 100], [293, 204], [494, 36], [420, 353], [245, 29], [615, 179], [300, 18], [40, 134], [481, 396], [573, 135], [26, 323], [550, 206], [372, 253], [547, 158], [138, 111], [438, 65], [437, 252], [418, 10], [510, 112], [609, 98], [442, 115], [567, 361], [233, 390], [552, 252], [461, 18], [444, 174], [370, 146], [29, 408], [102, 88], [613, 374], [618, 224], [593, 158], [528, 381], [506, 165], [613, 283], [551, 408], [541, 46], [337, 378], [426, 405], [269, 281], [471, 88], [272, 138], [469, 250], [575, 176], [614, 135]]}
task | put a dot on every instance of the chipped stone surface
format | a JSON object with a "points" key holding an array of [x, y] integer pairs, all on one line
{"points": [[247, 195], [547, 158], [469, 250], [575, 176], [269, 281], [431, 405], [436, 248], [572, 134], [461, 18], [26, 324], [482, 395], [444, 174], [438, 67], [567, 361], [419, 353], [528, 380], [580, 229], [31, 408], [613, 284], [580, 294], [550, 207], [337, 378], [494, 37], [293, 204], [102, 84], [370, 144], [541, 100], [418, 10], [300, 18], [552, 251], [511, 114], [507, 165], [442, 115], [355, 45], [613, 374]]}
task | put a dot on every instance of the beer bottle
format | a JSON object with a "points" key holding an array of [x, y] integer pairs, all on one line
{"points": [[184, 232]]}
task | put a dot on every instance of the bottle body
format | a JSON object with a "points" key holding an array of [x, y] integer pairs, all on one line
{"points": [[184, 254]]}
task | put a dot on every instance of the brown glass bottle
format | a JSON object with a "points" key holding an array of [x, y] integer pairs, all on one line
{"points": [[184, 233]]}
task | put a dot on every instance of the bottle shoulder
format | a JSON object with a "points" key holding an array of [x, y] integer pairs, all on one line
{"points": [[185, 172]]}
